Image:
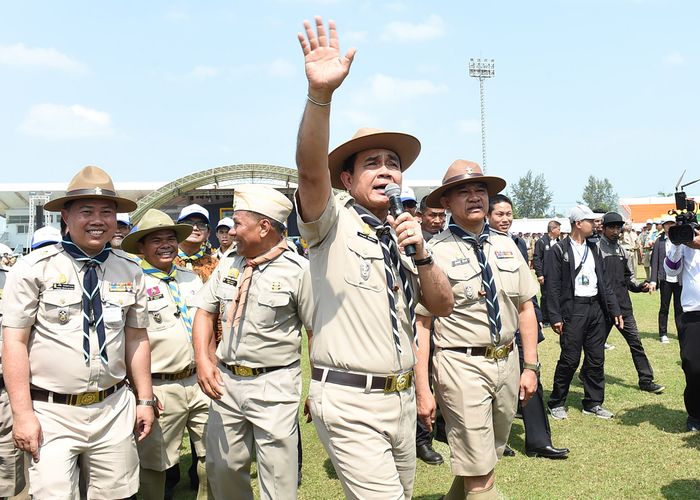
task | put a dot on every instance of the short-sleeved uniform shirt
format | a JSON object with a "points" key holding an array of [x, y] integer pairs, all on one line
{"points": [[468, 325], [279, 303], [46, 288], [352, 325], [171, 341]]}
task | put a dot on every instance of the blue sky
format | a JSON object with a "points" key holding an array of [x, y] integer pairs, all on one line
{"points": [[156, 90]]}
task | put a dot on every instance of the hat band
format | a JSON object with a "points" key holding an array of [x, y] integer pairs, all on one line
{"points": [[94, 191], [474, 176]]}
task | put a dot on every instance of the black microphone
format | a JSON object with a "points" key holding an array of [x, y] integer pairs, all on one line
{"points": [[393, 192]]}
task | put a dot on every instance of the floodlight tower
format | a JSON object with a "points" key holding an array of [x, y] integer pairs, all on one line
{"points": [[482, 69]]}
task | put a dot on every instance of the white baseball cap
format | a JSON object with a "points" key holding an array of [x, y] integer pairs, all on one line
{"points": [[582, 212], [407, 194], [124, 218], [193, 209], [44, 235], [667, 218], [226, 221], [4, 249]]}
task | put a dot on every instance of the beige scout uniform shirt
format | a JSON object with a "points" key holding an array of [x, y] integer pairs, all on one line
{"points": [[468, 325], [279, 303], [46, 288], [352, 325], [171, 343]]}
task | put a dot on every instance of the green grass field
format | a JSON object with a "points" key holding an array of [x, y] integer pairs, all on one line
{"points": [[644, 452]]}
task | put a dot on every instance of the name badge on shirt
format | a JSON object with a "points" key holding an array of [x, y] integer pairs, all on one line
{"points": [[112, 314], [460, 261], [504, 254], [63, 286], [231, 277]]}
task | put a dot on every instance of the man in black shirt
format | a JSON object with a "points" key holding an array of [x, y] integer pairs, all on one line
{"points": [[542, 247]]}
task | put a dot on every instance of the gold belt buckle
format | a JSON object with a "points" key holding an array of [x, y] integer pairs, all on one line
{"points": [[398, 383], [182, 374], [243, 371], [500, 352], [87, 398]]}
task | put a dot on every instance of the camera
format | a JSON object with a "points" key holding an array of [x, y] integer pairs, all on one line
{"points": [[686, 218]]}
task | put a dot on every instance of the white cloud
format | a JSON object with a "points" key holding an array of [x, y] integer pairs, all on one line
{"points": [[469, 127], [20, 55], [674, 59], [388, 88], [400, 31], [57, 121], [358, 117]]}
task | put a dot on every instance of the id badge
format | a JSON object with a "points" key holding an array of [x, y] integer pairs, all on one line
{"points": [[112, 314], [584, 280]]}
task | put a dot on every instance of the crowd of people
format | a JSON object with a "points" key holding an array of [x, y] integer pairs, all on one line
{"points": [[118, 337]]}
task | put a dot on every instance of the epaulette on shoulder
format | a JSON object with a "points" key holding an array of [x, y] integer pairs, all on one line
{"points": [[296, 258], [43, 253], [130, 257], [440, 237], [343, 198]]}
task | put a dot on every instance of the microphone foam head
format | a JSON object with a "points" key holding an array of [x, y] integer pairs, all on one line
{"points": [[392, 190]]}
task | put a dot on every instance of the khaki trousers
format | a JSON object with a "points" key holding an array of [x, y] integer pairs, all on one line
{"points": [[98, 439], [370, 438], [11, 459], [478, 398], [184, 406], [255, 412]]}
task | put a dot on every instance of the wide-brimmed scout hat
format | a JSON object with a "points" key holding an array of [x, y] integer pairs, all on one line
{"points": [[264, 200], [153, 220], [91, 182], [462, 172], [405, 146]]}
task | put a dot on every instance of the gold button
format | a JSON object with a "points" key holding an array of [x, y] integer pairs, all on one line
{"points": [[63, 301]]}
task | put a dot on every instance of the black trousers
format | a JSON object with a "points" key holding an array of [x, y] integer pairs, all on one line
{"points": [[666, 290], [543, 303], [689, 336], [639, 357], [584, 331], [537, 431], [423, 436]]}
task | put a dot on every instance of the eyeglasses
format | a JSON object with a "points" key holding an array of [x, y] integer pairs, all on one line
{"points": [[196, 224]]}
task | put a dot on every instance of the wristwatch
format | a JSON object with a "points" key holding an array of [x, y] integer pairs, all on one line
{"points": [[535, 367], [424, 262]]}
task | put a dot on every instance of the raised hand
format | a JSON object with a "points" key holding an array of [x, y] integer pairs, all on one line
{"points": [[325, 68]]}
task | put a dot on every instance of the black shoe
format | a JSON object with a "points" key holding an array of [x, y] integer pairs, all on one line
{"points": [[508, 452], [652, 387], [548, 451], [426, 453], [692, 424]]}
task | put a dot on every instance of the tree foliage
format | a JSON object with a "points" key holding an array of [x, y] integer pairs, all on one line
{"points": [[531, 196], [598, 193]]}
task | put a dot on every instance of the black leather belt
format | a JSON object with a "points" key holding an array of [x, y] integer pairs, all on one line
{"points": [[489, 351], [392, 383], [83, 399], [182, 374], [2, 383], [247, 371], [586, 300]]}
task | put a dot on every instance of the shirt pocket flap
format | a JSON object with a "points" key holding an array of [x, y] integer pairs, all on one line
{"points": [[509, 265], [462, 273], [62, 298], [121, 299], [274, 299], [365, 249], [224, 292], [156, 305]]}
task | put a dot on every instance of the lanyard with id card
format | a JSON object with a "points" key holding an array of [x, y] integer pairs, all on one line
{"points": [[585, 280]]}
